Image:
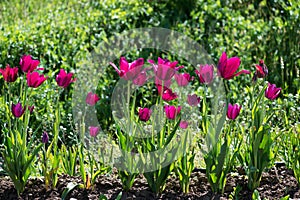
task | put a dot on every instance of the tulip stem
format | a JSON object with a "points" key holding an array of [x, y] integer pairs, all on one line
{"points": [[227, 89], [9, 105]]}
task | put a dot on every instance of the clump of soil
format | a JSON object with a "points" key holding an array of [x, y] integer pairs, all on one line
{"points": [[276, 183]]}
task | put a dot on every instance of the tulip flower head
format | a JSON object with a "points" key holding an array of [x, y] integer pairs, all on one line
{"points": [[183, 79], [166, 93], [129, 71], [94, 130], [9, 74], [183, 124], [34, 79], [144, 114], [172, 111], [227, 67], [205, 73], [272, 91], [17, 110], [27, 64], [64, 79], [193, 100], [92, 99], [165, 69], [261, 70], [233, 111], [141, 79], [45, 138]]}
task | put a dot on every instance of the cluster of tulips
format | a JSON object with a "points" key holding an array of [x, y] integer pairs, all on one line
{"points": [[165, 70], [34, 79], [219, 157], [164, 73], [18, 152]]}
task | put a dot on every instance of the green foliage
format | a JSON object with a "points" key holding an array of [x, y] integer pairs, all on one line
{"points": [[184, 168], [252, 30], [69, 159], [259, 152]]}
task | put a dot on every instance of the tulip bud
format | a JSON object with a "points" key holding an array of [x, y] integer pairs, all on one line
{"points": [[144, 114], [233, 111], [17, 110], [272, 91], [45, 137], [94, 130]]}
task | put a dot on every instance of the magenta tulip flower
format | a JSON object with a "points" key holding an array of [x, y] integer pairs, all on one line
{"points": [[9, 74], [227, 67], [34, 79], [27, 64], [261, 70], [140, 79], [172, 111], [129, 71], [144, 114], [169, 95], [64, 79], [94, 130], [193, 100], [183, 79], [92, 99], [166, 93], [165, 69], [45, 138], [17, 110], [183, 124], [272, 91], [233, 111], [205, 73]]}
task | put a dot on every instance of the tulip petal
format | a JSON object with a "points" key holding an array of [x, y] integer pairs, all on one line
{"points": [[231, 66]]}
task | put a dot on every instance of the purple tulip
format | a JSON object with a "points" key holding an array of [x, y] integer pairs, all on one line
{"points": [[166, 93], [17, 110], [129, 71], [228, 67], [171, 111], [34, 79], [233, 111], [94, 130], [27, 64], [165, 69], [272, 91], [9, 74], [205, 73], [261, 70], [183, 79], [63, 79], [140, 79], [45, 138], [193, 100], [92, 99], [183, 124], [144, 114]]}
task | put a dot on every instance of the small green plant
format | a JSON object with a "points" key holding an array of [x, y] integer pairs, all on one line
{"points": [[69, 157], [184, 167], [259, 154]]}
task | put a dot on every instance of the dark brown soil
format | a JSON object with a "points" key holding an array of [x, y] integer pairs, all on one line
{"points": [[277, 183]]}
